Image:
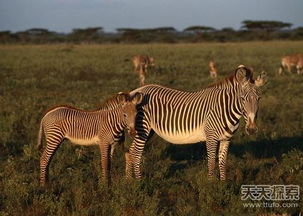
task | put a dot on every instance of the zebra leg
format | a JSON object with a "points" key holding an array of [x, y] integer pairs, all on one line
{"points": [[211, 147], [223, 149], [105, 161], [136, 151], [128, 165], [112, 150], [52, 145], [121, 140]]}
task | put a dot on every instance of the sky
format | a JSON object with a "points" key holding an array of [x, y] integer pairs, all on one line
{"points": [[65, 15]]}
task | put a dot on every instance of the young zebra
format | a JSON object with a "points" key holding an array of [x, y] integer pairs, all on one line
{"points": [[103, 127]]}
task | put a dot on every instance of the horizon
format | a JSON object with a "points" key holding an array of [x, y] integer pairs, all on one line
{"points": [[63, 16], [115, 30]]}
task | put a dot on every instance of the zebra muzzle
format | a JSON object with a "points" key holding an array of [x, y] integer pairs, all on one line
{"points": [[132, 132], [251, 128]]}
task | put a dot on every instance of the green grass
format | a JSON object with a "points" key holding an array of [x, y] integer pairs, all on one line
{"points": [[34, 78]]}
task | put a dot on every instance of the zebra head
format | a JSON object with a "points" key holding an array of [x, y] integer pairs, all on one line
{"points": [[129, 109], [249, 96]]}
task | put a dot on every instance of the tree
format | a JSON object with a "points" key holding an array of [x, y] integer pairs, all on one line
{"points": [[252, 25], [161, 34], [164, 30], [86, 34], [228, 29], [5, 36], [199, 29], [131, 34], [37, 35], [37, 31]]}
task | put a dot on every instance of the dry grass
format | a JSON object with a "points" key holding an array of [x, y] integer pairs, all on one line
{"points": [[34, 78]]}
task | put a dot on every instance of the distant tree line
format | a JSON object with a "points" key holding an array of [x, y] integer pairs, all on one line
{"points": [[250, 30]]}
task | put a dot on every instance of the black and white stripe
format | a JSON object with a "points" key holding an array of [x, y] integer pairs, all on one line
{"points": [[103, 127], [210, 115]]}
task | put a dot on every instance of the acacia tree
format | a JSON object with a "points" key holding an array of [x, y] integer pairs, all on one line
{"points": [[161, 34], [86, 34], [199, 33], [35, 35], [199, 29], [5, 36], [253, 25], [130, 34]]}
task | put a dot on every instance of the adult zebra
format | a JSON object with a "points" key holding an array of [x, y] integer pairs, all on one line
{"points": [[210, 115]]}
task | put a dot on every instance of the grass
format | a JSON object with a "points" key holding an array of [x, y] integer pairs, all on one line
{"points": [[36, 77]]}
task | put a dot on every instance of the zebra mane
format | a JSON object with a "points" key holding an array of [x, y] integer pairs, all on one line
{"points": [[224, 82], [75, 108], [65, 106], [228, 81], [110, 103]]}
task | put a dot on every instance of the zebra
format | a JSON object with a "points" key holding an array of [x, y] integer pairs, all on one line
{"points": [[103, 127], [210, 115]]}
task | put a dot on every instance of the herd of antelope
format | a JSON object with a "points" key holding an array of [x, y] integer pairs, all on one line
{"points": [[105, 126], [142, 62]]}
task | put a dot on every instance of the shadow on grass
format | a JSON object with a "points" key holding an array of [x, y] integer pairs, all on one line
{"points": [[264, 148], [187, 155], [267, 148]]}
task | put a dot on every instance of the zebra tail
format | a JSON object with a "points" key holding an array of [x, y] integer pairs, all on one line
{"points": [[39, 143]]}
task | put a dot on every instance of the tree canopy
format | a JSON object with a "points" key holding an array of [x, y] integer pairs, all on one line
{"points": [[264, 25], [88, 31], [198, 29], [160, 29], [250, 30]]}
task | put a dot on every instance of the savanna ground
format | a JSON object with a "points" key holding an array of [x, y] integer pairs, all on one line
{"points": [[35, 78]]}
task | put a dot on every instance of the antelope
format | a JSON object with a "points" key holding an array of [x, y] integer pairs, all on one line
{"points": [[141, 63], [212, 69], [293, 60]]}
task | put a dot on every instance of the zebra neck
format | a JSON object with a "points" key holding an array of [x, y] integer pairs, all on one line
{"points": [[117, 118], [238, 103], [232, 102]]}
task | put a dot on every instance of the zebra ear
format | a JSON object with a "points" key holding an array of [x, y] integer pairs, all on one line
{"points": [[243, 74], [261, 79], [122, 97], [138, 97]]}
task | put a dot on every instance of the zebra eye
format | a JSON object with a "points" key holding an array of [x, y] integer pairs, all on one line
{"points": [[125, 115]]}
